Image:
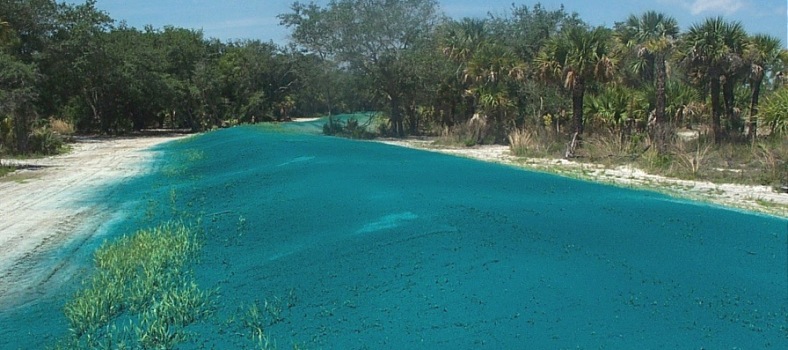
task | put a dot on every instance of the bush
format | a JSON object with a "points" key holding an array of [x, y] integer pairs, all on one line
{"points": [[774, 113], [476, 131], [351, 129], [45, 141]]}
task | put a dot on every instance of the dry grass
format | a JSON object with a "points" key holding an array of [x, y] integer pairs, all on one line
{"points": [[764, 162], [693, 157], [534, 143], [476, 131], [62, 127]]}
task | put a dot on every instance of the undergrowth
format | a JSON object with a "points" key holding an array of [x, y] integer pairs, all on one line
{"points": [[5, 170], [763, 162], [351, 128]]}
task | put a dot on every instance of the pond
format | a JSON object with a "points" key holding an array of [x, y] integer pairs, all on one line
{"points": [[344, 244]]}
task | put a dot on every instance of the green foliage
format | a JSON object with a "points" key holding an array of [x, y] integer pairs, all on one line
{"points": [[45, 141], [615, 107], [345, 29], [141, 292], [774, 113], [349, 128], [17, 95]]}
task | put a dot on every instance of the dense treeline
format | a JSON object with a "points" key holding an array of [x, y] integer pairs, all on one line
{"points": [[533, 70], [71, 68]]}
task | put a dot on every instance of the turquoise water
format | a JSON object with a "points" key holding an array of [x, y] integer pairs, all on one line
{"points": [[362, 245]]}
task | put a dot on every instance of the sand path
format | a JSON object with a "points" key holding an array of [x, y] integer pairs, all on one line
{"points": [[44, 209]]}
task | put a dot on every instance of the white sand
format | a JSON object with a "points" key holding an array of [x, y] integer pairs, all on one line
{"points": [[43, 210], [756, 198]]}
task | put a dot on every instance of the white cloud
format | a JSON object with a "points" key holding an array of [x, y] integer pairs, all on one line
{"points": [[724, 6]]}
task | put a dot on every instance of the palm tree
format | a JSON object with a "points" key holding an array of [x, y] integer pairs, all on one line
{"points": [[485, 68], [652, 36], [705, 53], [460, 44], [763, 54], [488, 72], [735, 68], [577, 57], [463, 38]]}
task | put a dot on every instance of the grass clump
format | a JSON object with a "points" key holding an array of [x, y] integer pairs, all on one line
{"points": [[141, 294], [537, 143]]}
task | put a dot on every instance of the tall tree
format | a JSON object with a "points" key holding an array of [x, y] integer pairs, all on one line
{"points": [[528, 29], [75, 60], [704, 53], [31, 24], [734, 69], [373, 37], [578, 57], [763, 55], [17, 95], [314, 30], [652, 35]]}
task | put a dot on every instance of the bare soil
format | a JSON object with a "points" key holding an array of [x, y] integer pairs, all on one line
{"points": [[44, 208]]}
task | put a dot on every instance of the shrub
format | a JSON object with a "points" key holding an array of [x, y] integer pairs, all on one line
{"points": [[45, 141], [476, 131], [351, 129], [774, 113]]}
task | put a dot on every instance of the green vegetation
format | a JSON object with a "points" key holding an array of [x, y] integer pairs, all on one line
{"points": [[5, 170], [141, 295]]}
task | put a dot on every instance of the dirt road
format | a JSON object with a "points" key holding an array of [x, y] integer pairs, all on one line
{"points": [[42, 210]]}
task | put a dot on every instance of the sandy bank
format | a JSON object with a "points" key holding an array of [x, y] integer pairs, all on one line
{"points": [[43, 209]]}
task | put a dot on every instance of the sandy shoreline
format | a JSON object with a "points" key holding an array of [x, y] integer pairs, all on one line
{"points": [[762, 199], [43, 209]]}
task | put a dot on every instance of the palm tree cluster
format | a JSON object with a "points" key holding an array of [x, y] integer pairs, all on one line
{"points": [[643, 74]]}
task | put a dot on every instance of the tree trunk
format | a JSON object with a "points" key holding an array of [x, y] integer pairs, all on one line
{"points": [[716, 109], [733, 120], [660, 120], [396, 117], [21, 130], [578, 92], [756, 92]]}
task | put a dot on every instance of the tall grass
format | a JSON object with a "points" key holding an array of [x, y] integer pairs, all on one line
{"points": [[475, 131], [534, 143]]}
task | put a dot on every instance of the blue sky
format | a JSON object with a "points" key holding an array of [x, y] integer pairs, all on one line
{"points": [[256, 19]]}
